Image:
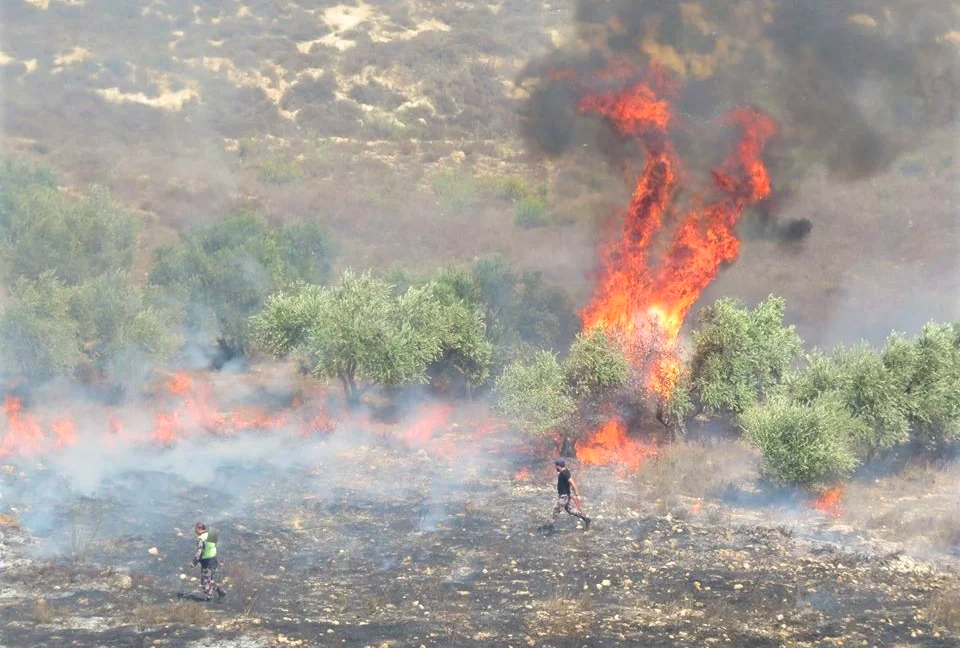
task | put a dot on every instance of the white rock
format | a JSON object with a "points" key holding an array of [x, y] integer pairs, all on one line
{"points": [[153, 551]]}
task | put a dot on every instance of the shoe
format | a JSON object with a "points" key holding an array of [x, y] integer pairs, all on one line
{"points": [[208, 599], [586, 523], [221, 594]]}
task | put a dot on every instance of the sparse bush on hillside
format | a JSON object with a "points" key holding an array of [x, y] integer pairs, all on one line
{"points": [[808, 445], [278, 169], [739, 354], [456, 192], [531, 212], [225, 271], [44, 230], [361, 333]]}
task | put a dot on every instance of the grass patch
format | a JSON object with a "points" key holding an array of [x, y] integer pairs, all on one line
{"points": [[944, 609]]}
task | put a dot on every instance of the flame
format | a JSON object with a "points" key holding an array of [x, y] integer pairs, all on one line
{"points": [[611, 445], [522, 475], [65, 432], [638, 288], [24, 435], [180, 383], [830, 501]]}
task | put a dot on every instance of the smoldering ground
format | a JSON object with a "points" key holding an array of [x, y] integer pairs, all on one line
{"points": [[853, 85]]}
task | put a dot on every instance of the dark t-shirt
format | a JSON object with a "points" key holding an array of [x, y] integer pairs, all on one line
{"points": [[563, 482]]}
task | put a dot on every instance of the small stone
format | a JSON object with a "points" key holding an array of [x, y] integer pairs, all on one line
{"points": [[183, 577], [153, 551], [738, 586], [606, 582]]}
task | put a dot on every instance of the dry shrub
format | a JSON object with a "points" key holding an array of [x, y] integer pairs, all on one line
{"points": [[692, 469], [182, 612], [42, 612], [944, 609], [240, 584], [562, 618]]}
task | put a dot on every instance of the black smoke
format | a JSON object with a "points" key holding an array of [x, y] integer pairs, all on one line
{"points": [[854, 84]]}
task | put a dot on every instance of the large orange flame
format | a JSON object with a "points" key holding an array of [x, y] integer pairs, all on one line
{"points": [[637, 288], [611, 445]]}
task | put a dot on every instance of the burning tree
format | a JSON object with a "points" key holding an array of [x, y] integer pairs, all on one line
{"points": [[359, 332], [543, 396]]}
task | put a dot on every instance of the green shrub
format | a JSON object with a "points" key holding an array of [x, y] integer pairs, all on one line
{"points": [[38, 338], [280, 170], [44, 230], [929, 367], [531, 212], [808, 445], [739, 354], [223, 272], [596, 362], [123, 329], [361, 333], [534, 396], [859, 380], [456, 192]]}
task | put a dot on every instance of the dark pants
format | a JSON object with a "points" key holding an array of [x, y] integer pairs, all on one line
{"points": [[208, 566]]}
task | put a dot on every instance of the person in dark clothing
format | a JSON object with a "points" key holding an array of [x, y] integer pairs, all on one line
{"points": [[566, 491], [206, 557]]}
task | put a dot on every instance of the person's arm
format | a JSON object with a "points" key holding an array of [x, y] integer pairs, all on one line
{"points": [[573, 488], [198, 552]]}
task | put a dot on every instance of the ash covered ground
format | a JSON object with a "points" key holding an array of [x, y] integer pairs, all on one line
{"points": [[353, 539]]}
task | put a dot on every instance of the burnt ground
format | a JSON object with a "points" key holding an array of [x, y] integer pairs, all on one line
{"points": [[367, 542]]}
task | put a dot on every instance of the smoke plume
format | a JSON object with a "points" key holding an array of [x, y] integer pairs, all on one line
{"points": [[852, 84]]}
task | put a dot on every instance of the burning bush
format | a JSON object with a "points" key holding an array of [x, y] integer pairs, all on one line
{"points": [[359, 331], [541, 396], [739, 354]]}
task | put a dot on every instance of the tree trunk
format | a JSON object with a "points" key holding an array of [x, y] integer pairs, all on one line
{"points": [[350, 390], [568, 447]]}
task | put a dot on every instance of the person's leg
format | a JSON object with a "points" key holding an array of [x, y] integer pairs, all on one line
{"points": [[562, 503], [206, 581]]}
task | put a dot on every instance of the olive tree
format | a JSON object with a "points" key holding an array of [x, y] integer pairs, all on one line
{"points": [[928, 366], [803, 444], [740, 354], [542, 396], [360, 332], [858, 380], [224, 272]]}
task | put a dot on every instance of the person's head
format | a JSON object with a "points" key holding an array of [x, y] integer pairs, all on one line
{"points": [[559, 464], [200, 528]]}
